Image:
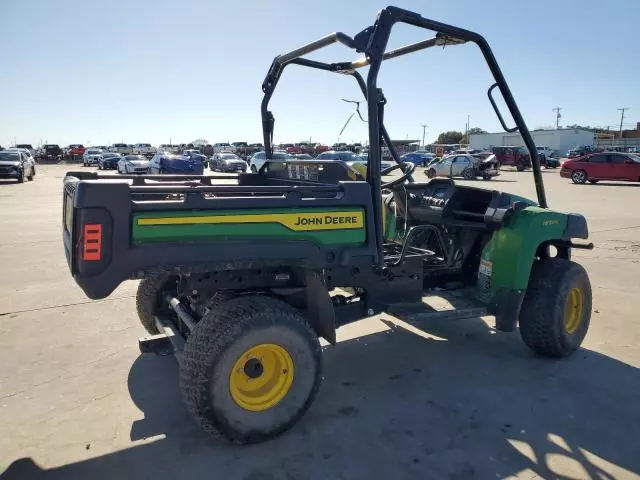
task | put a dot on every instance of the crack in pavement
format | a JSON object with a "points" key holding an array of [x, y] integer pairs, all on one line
{"points": [[50, 307]]}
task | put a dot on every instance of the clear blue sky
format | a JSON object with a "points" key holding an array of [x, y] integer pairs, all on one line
{"points": [[145, 71]]}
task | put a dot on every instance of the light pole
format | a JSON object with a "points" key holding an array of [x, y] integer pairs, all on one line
{"points": [[622, 110], [424, 128]]}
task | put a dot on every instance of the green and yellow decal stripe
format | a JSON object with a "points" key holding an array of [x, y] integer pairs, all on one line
{"points": [[327, 226]]}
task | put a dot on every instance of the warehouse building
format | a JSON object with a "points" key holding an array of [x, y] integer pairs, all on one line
{"points": [[559, 140]]}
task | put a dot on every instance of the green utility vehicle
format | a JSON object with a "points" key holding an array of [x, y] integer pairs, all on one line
{"points": [[239, 279]]}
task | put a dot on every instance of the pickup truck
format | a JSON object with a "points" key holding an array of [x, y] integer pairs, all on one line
{"points": [[121, 148], [75, 150], [144, 149]]}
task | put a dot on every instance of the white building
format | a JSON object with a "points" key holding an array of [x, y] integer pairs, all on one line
{"points": [[561, 140]]}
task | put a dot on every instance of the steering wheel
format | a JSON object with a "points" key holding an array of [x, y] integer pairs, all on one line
{"points": [[407, 169]]}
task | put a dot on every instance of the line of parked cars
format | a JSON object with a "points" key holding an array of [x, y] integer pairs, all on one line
{"points": [[17, 163]]}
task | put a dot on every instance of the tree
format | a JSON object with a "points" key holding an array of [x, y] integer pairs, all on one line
{"points": [[450, 137], [476, 131]]}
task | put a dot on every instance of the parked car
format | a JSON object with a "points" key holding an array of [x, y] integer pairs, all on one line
{"points": [[294, 149], [50, 152], [91, 156], [418, 158], [227, 162], [546, 150], [167, 163], [17, 163], [320, 147], [580, 151], [143, 149], [513, 156], [223, 148], [303, 156], [74, 151], [548, 162], [602, 166], [165, 148], [259, 158], [121, 148], [130, 164], [109, 161], [27, 146], [363, 159], [195, 154], [467, 166]]}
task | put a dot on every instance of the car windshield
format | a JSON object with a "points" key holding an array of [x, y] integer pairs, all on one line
{"points": [[9, 156], [635, 158], [51, 146], [119, 145], [133, 158], [110, 155], [229, 156], [144, 145], [94, 151], [23, 145]]}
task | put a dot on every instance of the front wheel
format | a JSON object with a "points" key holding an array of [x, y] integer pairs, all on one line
{"points": [[521, 167], [469, 174], [254, 169], [21, 176], [250, 369], [431, 173], [579, 176], [556, 310]]}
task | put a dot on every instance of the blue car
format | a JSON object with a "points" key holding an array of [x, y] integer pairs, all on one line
{"points": [[419, 158], [167, 163]]}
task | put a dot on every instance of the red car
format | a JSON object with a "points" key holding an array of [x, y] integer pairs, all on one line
{"points": [[75, 150], [602, 166], [294, 149], [319, 148]]}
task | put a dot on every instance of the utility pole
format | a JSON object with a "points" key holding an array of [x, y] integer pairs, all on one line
{"points": [[424, 128], [622, 110], [466, 134], [558, 116]]}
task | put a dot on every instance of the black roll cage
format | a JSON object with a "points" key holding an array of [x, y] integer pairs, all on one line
{"points": [[373, 42]]}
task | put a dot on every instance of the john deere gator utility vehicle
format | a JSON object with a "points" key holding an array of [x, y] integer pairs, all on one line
{"points": [[240, 279]]}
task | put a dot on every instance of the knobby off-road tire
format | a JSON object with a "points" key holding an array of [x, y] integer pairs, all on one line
{"points": [[149, 299], [218, 352], [556, 310]]}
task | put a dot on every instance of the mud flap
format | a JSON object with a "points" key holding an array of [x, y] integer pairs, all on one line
{"points": [[320, 311]]}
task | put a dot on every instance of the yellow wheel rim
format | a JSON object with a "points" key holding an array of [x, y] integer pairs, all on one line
{"points": [[261, 377], [573, 310]]}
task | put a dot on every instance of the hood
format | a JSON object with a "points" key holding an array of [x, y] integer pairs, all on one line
{"points": [[139, 163], [10, 163]]}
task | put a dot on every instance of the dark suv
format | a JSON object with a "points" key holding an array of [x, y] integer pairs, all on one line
{"points": [[513, 156], [50, 152]]}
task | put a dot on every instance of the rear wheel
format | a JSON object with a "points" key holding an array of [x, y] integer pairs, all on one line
{"points": [[149, 299], [250, 369], [520, 167], [579, 176], [32, 172], [556, 310]]}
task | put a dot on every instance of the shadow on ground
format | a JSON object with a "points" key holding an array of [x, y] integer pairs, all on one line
{"points": [[457, 402]]}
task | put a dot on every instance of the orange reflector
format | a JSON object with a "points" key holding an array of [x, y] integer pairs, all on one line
{"points": [[92, 242]]}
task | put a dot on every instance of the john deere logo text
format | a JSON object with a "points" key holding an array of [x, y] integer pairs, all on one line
{"points": [[327, 220]]}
